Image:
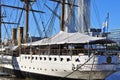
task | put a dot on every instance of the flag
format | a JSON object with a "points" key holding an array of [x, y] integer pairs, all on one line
{"points": [[105, 24], [104, 27]]}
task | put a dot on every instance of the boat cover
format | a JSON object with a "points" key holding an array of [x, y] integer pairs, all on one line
{"points": [[72, 38]]}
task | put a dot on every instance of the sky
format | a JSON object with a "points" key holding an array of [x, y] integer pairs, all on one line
{"points": [[102, 7], [99, 10]]}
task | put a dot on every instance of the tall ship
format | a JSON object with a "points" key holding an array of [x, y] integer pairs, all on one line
{"points": [[69, 54]]}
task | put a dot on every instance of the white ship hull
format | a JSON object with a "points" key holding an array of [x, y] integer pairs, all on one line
{"points": [[93, 67]]}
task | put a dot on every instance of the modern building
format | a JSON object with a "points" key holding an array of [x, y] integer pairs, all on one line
{"points": [[115, 35]]}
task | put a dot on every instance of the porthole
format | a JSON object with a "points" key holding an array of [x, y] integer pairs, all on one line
{"points": [[40, 58], [55, 69], [55, 59], [28, 57], [25, 57], [50, 58], [36, 58], [52, 69], [44, 58], [68, 59], [61, 59]]}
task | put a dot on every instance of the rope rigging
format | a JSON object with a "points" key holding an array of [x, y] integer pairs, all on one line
{"points": [[45, 35], [92, 67], [79, 66], [38, 28], [19, 19], [96, 12], [71, 14], [51, 21], [10, 17]]}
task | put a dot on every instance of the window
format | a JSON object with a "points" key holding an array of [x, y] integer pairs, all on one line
{"points": [[55, 59], [40, 58], [50, 58], [77, 60], [56, 70], [25, 57], [28, 57], [36, 58], [61, 59], [68, 59], [52, 69], [44, 58]]}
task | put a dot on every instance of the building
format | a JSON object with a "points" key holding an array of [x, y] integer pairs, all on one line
{"points": [[115, 35]]}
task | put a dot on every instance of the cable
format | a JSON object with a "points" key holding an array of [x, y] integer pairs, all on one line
{"points": [[7, 31], [39, 31], [79, 67], [96, 12], [52, 21], [20, 18], [42, 23], [91, 67]]}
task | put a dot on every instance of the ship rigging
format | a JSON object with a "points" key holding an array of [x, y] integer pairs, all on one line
{"points": [[66, 55]]}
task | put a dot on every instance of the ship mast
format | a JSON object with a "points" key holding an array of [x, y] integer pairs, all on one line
{"points": [[27, 5], [27, 9], [62, 16], [27, 20], [62, 20], [27, 2]]}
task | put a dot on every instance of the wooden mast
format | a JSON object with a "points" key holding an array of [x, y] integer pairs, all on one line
{"points": [[27, 2], [27, 20], [63, 3], [62, 16], [62, 21]]}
